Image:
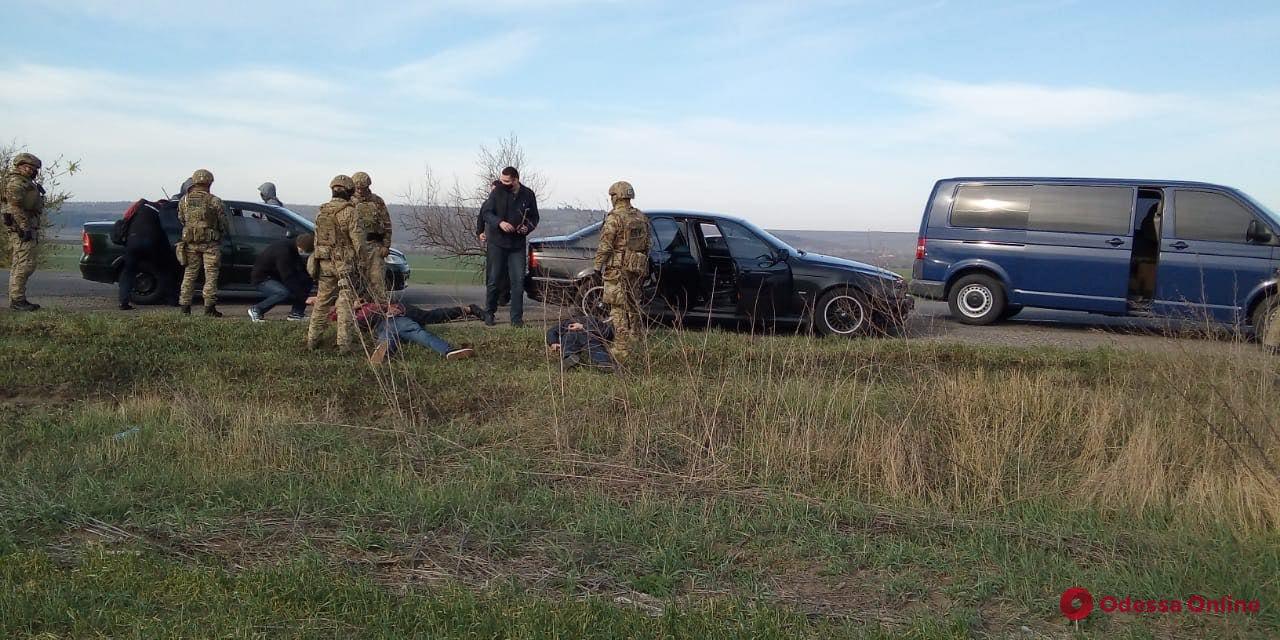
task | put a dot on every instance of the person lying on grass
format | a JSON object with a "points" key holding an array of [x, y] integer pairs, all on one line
{"points": [[582, 340], [393, 324]]}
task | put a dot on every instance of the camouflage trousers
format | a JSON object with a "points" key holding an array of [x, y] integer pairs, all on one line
{"points": [[22, 263], [373, 274], [331, 288], [210, 257], [620, 293]]}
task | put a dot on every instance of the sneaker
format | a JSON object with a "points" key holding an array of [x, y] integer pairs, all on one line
{"points": [[254, 315], [212, 312], [295, 317], [379, 354], [125, 306], [460, 354]]}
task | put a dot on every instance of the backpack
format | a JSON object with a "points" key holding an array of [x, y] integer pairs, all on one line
{"points": [[120, 229]]}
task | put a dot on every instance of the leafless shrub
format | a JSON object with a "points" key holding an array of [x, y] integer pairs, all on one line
{"points": [[443, 218]]}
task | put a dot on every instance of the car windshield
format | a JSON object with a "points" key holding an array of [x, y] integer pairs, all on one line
{"points": [[293, 216]]}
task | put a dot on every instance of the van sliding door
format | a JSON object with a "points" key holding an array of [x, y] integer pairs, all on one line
{"points": [[1078, 247]]}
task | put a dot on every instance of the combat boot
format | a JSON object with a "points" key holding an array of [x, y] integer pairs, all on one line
{"points": [[186, 309], [23, 305], [211, 310]]}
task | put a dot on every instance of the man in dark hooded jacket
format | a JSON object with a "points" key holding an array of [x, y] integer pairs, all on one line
{"points": [[268, 192], [582, 340]]}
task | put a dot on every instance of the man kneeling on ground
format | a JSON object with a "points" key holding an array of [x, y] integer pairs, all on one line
{"points": [[582, 340], [280, 274], [393, 324]]}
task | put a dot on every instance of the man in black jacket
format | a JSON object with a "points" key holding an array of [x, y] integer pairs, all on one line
{"points": [[582, 340], [146, 242], [280, 274], [504, 281], [510, 215]]}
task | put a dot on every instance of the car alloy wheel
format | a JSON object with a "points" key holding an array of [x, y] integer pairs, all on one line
{"points": [[844, 314], [591, 302]]}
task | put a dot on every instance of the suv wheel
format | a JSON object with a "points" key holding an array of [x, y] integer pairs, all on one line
{"points": [[843, 312], [146, 286], [977, 299]]}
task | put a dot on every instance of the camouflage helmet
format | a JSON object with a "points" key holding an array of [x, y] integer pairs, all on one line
{"points": [[342, 181], [202, 178], [361, 179], [26, 158], [622, 191]]}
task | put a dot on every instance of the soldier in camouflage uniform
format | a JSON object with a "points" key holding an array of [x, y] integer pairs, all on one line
{"points": [[203, 224], [375, 228], [623, 261], [22, 203], [333, 264]]}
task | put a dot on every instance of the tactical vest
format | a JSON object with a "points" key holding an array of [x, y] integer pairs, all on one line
{"points": [[333, 240], [32, 201], [369, 220], [201, 215], [634, 254]]}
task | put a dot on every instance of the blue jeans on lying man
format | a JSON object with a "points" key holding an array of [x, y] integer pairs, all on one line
{"points": [[397, 329], [275, 292]]}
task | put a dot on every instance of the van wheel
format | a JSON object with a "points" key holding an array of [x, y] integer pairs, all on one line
{"points": [[1261, 314], [843, 312], [976, 299]]}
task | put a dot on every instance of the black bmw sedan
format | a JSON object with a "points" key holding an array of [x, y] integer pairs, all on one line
{"points": [[717, 267]]}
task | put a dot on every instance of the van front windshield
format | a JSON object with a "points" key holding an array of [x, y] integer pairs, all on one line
{"points": [[1269, 212]]}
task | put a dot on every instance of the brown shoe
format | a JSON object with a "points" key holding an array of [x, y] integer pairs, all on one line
{"points": [[379, 354], [460, 354]]}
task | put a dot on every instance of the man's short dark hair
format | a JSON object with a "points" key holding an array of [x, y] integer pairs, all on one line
{"points": [[307, 242], [511, 172]]}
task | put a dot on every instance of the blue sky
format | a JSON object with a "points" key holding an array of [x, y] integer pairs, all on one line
{"points": [[805, 114]]}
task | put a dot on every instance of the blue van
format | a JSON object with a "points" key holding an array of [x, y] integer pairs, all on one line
{"points": [[991, 246]]}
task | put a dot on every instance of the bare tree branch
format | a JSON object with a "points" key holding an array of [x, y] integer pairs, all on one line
{"points": [[444, 220]]}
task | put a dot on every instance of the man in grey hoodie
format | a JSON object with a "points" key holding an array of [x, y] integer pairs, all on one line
{"points": [[268, 193]]}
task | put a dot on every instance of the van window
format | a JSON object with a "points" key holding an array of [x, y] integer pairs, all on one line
{"points": [[1080, 209], [991, 207], [1213, 217]]}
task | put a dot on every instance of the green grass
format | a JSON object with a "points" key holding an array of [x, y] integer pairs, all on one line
{"points": [[60, 257], [446, 270], [272, 492]]}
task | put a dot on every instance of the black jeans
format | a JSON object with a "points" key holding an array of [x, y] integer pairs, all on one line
{"points": [[136, 254], [511, 262]]}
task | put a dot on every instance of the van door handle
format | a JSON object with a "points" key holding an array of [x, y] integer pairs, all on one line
{"points": [[1179, 245], [1115, 242]]}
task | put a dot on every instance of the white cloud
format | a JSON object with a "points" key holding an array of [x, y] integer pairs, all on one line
{"points": [[1014, 106], [450, 74]]}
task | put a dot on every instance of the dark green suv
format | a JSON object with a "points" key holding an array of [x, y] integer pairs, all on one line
{"points": [[253, 226]]}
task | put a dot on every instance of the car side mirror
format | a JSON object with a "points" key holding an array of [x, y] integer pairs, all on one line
{"points": [[1258, 233]]}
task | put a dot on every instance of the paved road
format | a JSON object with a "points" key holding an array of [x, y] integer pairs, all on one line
{"points": [[1032, 327]]}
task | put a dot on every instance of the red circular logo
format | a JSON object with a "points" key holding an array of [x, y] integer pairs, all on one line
{"points": [[1076, 603]]}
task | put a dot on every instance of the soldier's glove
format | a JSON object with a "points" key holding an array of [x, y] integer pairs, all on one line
{"points": [[180, 250], [313, 267]]}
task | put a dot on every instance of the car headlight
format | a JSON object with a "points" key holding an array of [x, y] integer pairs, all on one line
{"points": [[396, 259]]}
